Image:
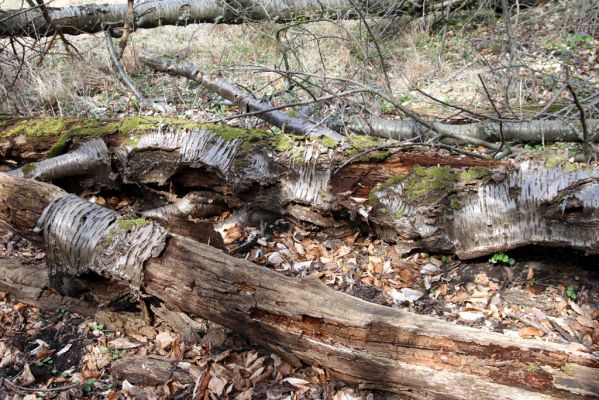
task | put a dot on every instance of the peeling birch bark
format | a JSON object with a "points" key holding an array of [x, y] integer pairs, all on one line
{"points": [[430, 202], [479, 211], [358, 342]]}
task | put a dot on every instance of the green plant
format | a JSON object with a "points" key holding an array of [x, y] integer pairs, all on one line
{"points": [[502, 258], [89, 384], [571, 293], [97, 327]]}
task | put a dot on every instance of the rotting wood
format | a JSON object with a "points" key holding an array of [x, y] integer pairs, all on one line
{"points": [[423, 200], [359, 342]]}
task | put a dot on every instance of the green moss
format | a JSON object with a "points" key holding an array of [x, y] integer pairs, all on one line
{"points": [[473, 173], [373, 199], [554, 160], [394, 180], [285, 142], [455, 203], [59, 147], [432, 183], [532, 367], [329, 142], [126, 225], [29, 167], [568, 369], [296, 156], [360, 143], [131, 141], [399, 213]]}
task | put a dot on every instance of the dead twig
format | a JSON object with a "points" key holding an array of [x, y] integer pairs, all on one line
{"points": [[121, 73], [588, 152]]}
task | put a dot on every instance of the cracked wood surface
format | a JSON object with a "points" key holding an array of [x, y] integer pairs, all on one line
{"points": [[359, 342]]}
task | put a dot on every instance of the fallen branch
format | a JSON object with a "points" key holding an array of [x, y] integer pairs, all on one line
{"points": [[527, 131], [246, 102], [305, 321]]}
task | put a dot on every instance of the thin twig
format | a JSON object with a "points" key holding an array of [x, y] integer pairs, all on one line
{"points": [[122, 74], [586, 147]]}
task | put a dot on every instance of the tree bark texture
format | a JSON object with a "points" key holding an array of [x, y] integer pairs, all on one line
{"points": [[427, 201], [535, 131], [88, 18], [305, 321]]}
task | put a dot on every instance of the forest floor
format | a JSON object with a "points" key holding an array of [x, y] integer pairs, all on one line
{"points": [[537, 293]]}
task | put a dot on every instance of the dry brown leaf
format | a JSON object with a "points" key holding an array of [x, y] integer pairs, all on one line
{"points": [[233, 234], [482, 279], [19, 306], [375, 264], [122, 343], [587, 322], [245, 395], [2, 296], [530, 274], [164, 340], [90, 374], [27, 377], [217, 385], [529, 331]]}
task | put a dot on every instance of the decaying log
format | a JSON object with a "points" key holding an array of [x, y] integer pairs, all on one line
{"points": [[428, 201], [88, 18], [305, 321]]}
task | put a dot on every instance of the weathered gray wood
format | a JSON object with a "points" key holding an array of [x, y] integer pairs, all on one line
{"points": [[305, 321]]}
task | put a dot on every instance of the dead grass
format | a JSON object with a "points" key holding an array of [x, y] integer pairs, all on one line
{"points": [[474, 47]]}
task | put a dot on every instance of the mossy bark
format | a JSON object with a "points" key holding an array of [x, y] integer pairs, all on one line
{"points": [[438, 203]]}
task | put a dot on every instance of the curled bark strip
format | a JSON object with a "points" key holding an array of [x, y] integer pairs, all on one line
{"points": [[312, 181], [246, 102], [481, 212], [529, 131], [193, 205], [82, 236], [91, 158], [195, 146]]}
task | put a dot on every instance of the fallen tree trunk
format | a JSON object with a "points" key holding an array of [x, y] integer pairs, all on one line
{"points": [[301, 319], [437, 203], [484, 132], [535, 131], [88, 18]]}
